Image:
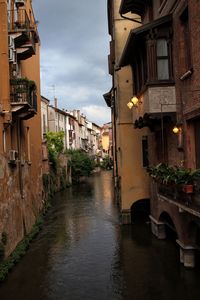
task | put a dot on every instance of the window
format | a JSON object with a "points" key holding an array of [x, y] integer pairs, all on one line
{"points": [[4, 141], [153, 63], [162, 59], [149, 52]]}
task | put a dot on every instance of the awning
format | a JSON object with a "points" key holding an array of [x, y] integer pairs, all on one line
{"points": [[135, 6], [137, 35], [108, 98]]}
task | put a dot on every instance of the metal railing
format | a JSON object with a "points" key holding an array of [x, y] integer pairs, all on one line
{"points": [[176, 194], [18, 20], [23, 91]]}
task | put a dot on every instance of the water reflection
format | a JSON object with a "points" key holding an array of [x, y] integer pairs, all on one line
{"points": [[74, 255], [84, 253]]}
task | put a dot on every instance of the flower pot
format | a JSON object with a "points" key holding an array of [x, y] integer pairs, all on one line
{"points": [[188, 188]]}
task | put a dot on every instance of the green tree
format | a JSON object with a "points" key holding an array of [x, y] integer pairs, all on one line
{"points": [[55, 144], [107, 163], [81, 164]]}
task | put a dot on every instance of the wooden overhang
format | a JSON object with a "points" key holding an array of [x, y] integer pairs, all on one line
{"points": [[137, 35], [135, 6]]}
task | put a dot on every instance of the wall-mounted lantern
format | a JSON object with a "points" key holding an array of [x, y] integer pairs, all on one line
{"points": [[134, 102], [176, 129]]}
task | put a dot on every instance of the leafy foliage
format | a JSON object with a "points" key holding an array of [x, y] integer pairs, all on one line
{"points": [[173, 174], [81, 164], [107, 163], [55, 144]]}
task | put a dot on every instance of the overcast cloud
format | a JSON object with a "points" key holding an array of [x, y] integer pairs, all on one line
{"points": [[74, 49]]}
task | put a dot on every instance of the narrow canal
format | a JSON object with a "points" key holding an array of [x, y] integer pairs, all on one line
{"points": [[83, 253]]}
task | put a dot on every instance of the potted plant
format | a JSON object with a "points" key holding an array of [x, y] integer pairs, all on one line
{"points": [[186, 178], [162, 173], [173, 175]]}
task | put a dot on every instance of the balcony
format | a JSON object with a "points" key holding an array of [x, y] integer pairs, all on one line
{"points": [[176, 185], [23, 98], [160, 99], [175, 195], [24, 33]]}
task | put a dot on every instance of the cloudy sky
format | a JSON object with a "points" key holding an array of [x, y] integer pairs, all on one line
{"points": [[74, 48]]}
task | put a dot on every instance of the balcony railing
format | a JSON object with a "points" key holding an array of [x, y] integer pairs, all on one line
{"points": [[18, 20], [24, 33], [175, 194], [23, 92]]}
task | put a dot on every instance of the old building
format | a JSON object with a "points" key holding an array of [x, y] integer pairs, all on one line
{"points": [[20, 126], [129, 153], [106, 139], [62, 120], [79, 133], [44, 115], [163, 53], [96, 134]]}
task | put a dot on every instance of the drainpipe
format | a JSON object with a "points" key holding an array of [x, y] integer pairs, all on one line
{"points": [[113, 107], [115, 132], [19, 159]]}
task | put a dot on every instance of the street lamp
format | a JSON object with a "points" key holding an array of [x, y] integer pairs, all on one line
{"points": [[134, 102], [176, 129]]}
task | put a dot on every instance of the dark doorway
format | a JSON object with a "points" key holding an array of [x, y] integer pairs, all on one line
{"points": [[140, 211]]}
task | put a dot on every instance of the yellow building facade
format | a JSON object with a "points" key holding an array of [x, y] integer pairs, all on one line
{"points": [[131, 178], [20, 121]]}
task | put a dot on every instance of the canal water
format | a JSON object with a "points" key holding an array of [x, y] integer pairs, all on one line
{"points": [[84, 253]]}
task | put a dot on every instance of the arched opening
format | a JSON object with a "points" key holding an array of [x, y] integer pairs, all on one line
{"points": [[170, 228], [140, 211]]}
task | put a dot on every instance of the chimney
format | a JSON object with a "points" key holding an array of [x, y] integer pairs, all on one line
{"points": [[78, 115], [74, 113]]}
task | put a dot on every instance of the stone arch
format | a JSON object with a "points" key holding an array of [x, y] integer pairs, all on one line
{"points": [[140, 210]]}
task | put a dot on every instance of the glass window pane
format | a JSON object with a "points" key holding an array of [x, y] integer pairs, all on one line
{"points": [[162, 47], [163, 69]]}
